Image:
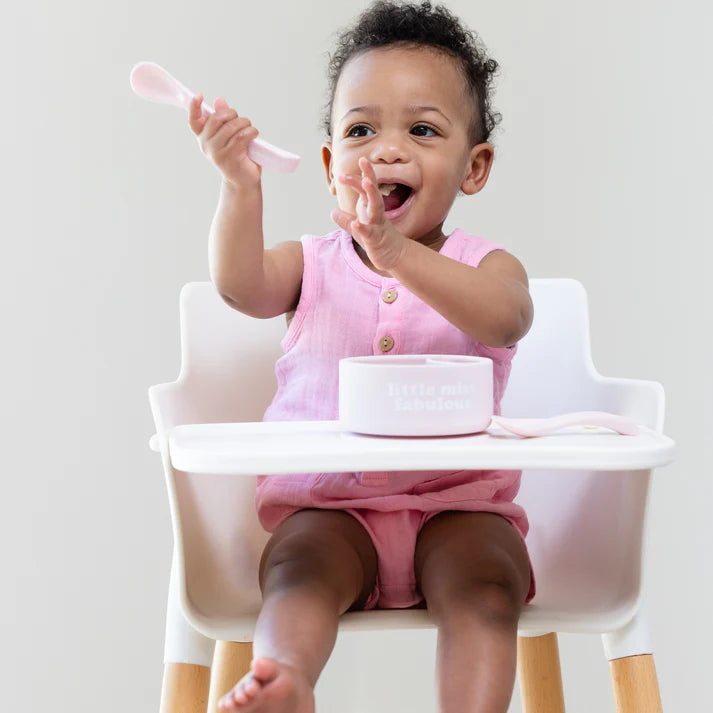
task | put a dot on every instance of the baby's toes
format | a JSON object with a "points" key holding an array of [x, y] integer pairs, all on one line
{"points": [[243, 692], [251, 688], [239, 694], [227, 702]]}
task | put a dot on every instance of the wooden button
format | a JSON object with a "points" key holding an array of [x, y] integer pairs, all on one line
{"points": [[386, 344], [389, 296]]}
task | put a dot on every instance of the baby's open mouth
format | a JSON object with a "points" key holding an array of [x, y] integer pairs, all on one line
{"points": [[395, 195]]}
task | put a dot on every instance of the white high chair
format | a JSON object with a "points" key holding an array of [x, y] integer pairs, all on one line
{"points": [[585, 494]]}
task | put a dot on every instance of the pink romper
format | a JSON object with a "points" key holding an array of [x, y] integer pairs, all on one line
{"points": [[346, 309]]}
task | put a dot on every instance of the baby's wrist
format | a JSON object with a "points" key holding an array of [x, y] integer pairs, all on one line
{"points": [[399, 251], [239, 189]]}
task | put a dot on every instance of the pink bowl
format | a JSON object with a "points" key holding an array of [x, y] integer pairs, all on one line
{"points": [[416, 395]]}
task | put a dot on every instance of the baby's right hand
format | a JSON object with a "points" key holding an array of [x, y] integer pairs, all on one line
{"points": [[224, 138]]}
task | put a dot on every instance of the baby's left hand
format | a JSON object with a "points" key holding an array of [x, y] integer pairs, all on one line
{"points": [[383, 244]]}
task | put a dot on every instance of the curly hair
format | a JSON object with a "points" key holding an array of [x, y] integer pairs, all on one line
{"points": [[387, 23]]}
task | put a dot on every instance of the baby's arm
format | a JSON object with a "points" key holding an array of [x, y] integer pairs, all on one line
{"points": [[258, 282], [261, 283], [490, 302]]}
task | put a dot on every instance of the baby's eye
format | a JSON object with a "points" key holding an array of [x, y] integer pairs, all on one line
{"points": [[358, 128], [420, 128]]}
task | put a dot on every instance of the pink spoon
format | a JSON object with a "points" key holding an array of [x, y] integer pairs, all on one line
{"points": [[531, 427], [151, 81]]}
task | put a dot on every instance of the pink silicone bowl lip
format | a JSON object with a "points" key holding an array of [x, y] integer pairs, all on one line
{"points": [[416, 360]]}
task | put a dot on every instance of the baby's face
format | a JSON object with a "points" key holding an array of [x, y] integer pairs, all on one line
{"points": [[405, 111]]}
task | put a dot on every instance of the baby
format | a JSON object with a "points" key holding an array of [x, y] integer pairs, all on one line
{"points": [[407, 125]]}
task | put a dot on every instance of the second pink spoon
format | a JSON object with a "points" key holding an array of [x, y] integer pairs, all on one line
{"points": [[531, 427]]}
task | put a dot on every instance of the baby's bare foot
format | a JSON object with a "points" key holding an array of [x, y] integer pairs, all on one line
{"points": [[270, 687]]}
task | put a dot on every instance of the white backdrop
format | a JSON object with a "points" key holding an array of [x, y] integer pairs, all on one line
{"points": [[602, 173]]}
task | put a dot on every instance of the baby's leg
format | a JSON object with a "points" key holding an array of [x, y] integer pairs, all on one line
{"points": [[316, 565], [474, 574]]}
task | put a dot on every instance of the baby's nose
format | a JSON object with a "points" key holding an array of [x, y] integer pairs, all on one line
{"points": [[389, 150]]}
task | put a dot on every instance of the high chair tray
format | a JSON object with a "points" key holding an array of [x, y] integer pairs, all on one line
{"points": [[324, 446]]}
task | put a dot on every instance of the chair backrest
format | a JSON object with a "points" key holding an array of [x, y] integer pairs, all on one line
{"points": [[585, 526], [224, 351], [552, 369], [227, 358]]}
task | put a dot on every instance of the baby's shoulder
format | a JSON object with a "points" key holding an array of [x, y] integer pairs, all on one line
{"points": [[333, 238], [471, 249], [324, 247]]}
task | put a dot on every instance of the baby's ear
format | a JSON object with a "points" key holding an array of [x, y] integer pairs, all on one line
{"points": [[327, 161], [479, 163]]}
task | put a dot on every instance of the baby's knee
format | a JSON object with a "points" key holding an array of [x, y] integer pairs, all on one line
{"points": [[494, 602], [319, 551], [497, 602], [297, 559]]}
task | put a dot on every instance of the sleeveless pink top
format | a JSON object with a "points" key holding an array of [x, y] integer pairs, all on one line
{"points": [[345, 310]]}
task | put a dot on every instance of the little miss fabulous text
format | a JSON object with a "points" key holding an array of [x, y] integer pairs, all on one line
{"points": [[427, 397]]}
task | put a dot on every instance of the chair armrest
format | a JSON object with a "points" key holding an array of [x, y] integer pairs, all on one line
{"points": [[639, 399], [169, 404]]}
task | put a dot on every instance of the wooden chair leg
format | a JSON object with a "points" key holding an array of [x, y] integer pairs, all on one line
{"points": [[230, 663], [636, 687], [538, 664], [185, 688]]}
